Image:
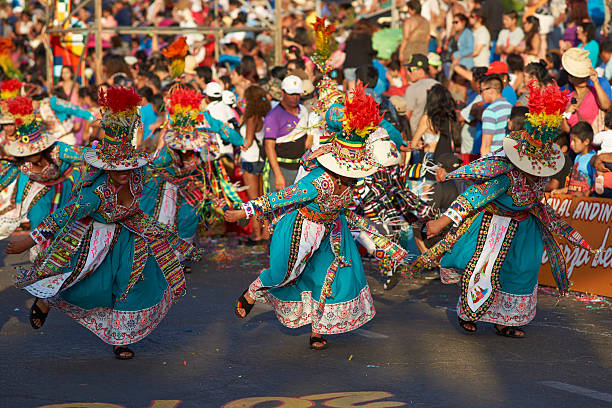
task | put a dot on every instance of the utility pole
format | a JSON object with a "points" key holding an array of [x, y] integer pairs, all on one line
{"points": [[278, 33], [98, 24]]}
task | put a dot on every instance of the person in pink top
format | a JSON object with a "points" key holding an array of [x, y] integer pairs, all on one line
{"points": [[587, 103]]}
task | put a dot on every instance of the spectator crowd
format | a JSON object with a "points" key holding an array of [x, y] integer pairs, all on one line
{"points": [[453, 80]]}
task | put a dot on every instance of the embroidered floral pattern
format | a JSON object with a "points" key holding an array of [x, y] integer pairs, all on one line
{"points": [[523, 191], [117, 327], [507, 309], [336, 318]]}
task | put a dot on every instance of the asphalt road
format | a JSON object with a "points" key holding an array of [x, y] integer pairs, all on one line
{"points": [[201, 355]]}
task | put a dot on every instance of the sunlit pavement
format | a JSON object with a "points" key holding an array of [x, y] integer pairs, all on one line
{"points": [[201, 355]]}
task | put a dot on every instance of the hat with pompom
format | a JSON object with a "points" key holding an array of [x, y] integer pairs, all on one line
{"points": [[120, 119], [532, 149], [31, 138]]}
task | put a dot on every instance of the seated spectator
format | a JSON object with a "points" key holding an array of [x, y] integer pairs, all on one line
{"points": [[416, 94], [516, 121], [605, 68], [557, 181], [510, 37], [582, 176], [586, 35], [495, 116], [603, 141]]}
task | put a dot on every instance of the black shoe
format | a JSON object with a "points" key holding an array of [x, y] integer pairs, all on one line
{"points": [[430, 274]]}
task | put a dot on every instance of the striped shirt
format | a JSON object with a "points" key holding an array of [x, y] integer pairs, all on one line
{"points": [[495, 120]]}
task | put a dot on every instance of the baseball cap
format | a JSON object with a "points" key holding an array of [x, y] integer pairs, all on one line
{"points": [[292, 85], [228, 98], [418, 61], [434, 59], [497, 67], [213, 90]]}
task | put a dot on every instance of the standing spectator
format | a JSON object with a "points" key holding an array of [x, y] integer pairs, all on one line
{"points": [[495, 116], [434, 131], [588, 102], [415, 37], [586, 36], [482, 39], [465, 42], [220, 111], [285, 136], [358, 51], [531, 46], [510, 37], [416, 94], [252, 130]]}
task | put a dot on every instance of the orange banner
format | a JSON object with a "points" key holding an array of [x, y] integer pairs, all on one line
{"points": [[592, 218]]}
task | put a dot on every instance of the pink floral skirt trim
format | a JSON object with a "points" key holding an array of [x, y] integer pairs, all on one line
{"points": [[337, 318], [508, 309], [117, 327]]}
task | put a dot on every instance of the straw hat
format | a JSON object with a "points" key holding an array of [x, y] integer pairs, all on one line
{"points": [[31, 139], [532, 149], [120, 118], [576, 62], [183, 119]]}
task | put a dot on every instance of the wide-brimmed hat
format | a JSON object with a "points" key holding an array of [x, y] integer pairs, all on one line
{"points": [[576, 62], [184, 117], [31, 138], [120, 118], [348, 153], [532, 149]]}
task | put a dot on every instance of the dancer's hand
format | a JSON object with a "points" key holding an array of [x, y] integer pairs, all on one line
{"points": [[234, 215], [17, 247], [435, 226]]}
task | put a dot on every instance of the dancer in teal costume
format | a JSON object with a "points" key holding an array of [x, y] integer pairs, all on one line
{"points": [[503, 226], [315, 275], [106, 264], [43, 172], [181, 188]]}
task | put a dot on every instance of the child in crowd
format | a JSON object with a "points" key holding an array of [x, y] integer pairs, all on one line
{"points": [[582, 177], [558, 180], [603, 140], [516, 121]]}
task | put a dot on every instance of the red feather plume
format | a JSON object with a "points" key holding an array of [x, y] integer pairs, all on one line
{"points": [[550, 99], [11, 85], [184, 97], [119, 99], [20, 106], [361, 110]]}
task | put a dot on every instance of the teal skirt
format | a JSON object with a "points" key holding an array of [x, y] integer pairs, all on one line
{"points": [[303, 248]]}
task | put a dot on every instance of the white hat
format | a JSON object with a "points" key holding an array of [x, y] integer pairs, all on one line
{"points": [[130, 60], [213, 90], [292, 85], [228, 98]]}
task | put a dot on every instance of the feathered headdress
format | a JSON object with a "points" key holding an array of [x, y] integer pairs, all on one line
{"points": [[176, 53], [532, 149], [184, 119], [120, 119], [361, 114], [31, 139], [10, 89]]}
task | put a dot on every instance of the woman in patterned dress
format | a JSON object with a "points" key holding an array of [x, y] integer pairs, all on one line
{"points": [[106, 264]]}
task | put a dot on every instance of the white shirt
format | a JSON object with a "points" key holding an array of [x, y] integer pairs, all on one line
{"points": [[603, 139], [507, 37], [251, 154], [224, 113], [482, 36]]}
